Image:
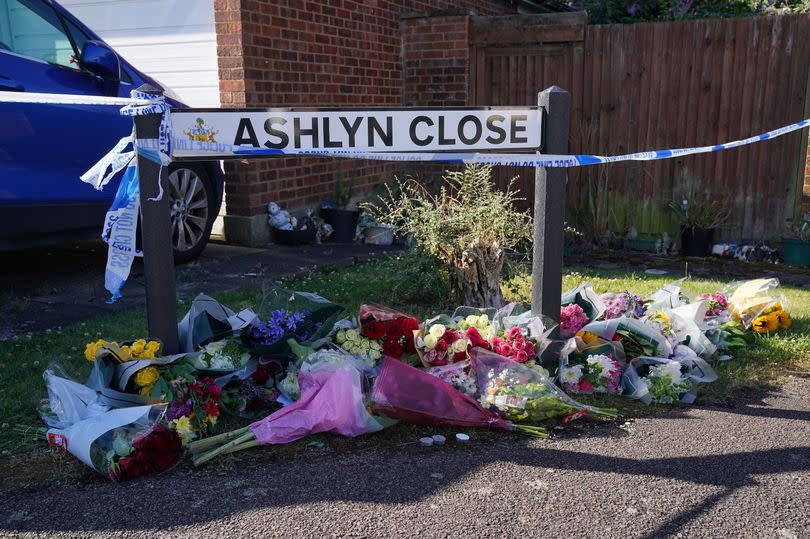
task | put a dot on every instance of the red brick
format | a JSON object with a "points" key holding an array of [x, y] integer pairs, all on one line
{"points": [[328, 52]]}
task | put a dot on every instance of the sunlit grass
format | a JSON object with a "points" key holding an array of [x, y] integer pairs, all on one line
{"points": [[394, 281]]}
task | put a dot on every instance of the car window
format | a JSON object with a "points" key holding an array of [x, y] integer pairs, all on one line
{"points": [[32, 28], [78, 36]]}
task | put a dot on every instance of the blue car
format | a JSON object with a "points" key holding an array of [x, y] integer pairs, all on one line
{"points": [[45, 148]]}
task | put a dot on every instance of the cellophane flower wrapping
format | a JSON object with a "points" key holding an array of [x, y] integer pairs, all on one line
{"points": [[208, 320], [622, 304], [331, 400], [664, 380], [589, 301], [123, 443], [439, 342], [594, 367], [413, 396], [393, 329], [306, 317], [758, 306], [522, 394], [223, 356], [459, 375], [636, 337]]}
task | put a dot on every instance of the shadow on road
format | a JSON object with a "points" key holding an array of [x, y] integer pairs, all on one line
{"points": [[381, 477]]}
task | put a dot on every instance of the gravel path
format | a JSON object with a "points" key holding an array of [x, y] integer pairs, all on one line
{"points": [[698, 472]]}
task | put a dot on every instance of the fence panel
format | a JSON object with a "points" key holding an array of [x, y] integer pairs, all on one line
{"points": [[662, 85]]}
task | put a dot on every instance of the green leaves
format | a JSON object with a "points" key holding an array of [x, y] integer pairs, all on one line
{"points": [[468, 209]]}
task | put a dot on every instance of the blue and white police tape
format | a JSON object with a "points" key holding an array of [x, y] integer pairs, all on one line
{"points": [[155, 104], [120, 223], [68, 99], [505, 159], [120, 226]]}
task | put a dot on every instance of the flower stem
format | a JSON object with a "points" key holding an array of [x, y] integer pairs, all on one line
{"points": [[532, 431], [205, 457], [201, 445], [246, 445]]}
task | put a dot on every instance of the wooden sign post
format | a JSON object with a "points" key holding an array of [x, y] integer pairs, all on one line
{"points": [[156, 239], [549, 207]]}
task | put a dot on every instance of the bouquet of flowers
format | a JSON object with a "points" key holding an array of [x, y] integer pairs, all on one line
{"points": [[302, 316], [520, 393], [280, 326], [479, 324], [439, 345], [332, 400], [514, 345], [353, 342], [248, 398], [121, 444], [394, 330], [289, 385], [459, 375], [225, 355], [755, 305], [251, 390], [717, 307], [138, 349], [772, 318], [622, 304], [598, 373], [413, 396], [193, 409], [663, 380], [636, 337], [572, 320], [589, 301], [660, 322]]}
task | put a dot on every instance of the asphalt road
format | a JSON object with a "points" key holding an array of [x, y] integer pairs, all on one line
{"points": [[742, 471]]}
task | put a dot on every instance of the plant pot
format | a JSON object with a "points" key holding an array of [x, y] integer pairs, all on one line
{"points": [[796, 252], [294, 237], [643, 243], [343, 222], [696, 241], [379, 235]]}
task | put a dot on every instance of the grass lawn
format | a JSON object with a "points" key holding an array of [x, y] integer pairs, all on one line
{"points": [[413, 288]]}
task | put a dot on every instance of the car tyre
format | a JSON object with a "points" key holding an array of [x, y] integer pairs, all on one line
{"points": [[192, 200]]}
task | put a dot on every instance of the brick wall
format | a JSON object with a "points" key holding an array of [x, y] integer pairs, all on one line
{"points": [[334, 53]]}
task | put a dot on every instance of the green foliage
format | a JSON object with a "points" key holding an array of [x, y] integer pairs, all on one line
{"points": [[342, 194], [468, 209], [698, 212], [630, 11]]}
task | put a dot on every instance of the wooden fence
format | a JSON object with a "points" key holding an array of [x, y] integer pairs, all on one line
{"points": [[665, 85]]}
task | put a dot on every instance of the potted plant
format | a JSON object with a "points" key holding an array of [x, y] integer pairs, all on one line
{"points": [[289, 230], [698, 218], [342, 220], [796, 243]]}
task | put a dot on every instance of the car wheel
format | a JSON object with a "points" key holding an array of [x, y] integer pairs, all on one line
{"points": [[191, 201]]}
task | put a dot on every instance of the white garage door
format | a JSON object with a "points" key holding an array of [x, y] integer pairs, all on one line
{"points": [[173, 41]]}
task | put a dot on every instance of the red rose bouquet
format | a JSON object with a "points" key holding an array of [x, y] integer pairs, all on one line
{"points": [[123, 443], [393, 329]]}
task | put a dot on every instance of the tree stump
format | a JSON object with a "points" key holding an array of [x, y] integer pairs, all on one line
{"points": [[475, 279]]}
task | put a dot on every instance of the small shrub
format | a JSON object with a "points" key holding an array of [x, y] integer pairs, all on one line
{"points": [[467, 225]]}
